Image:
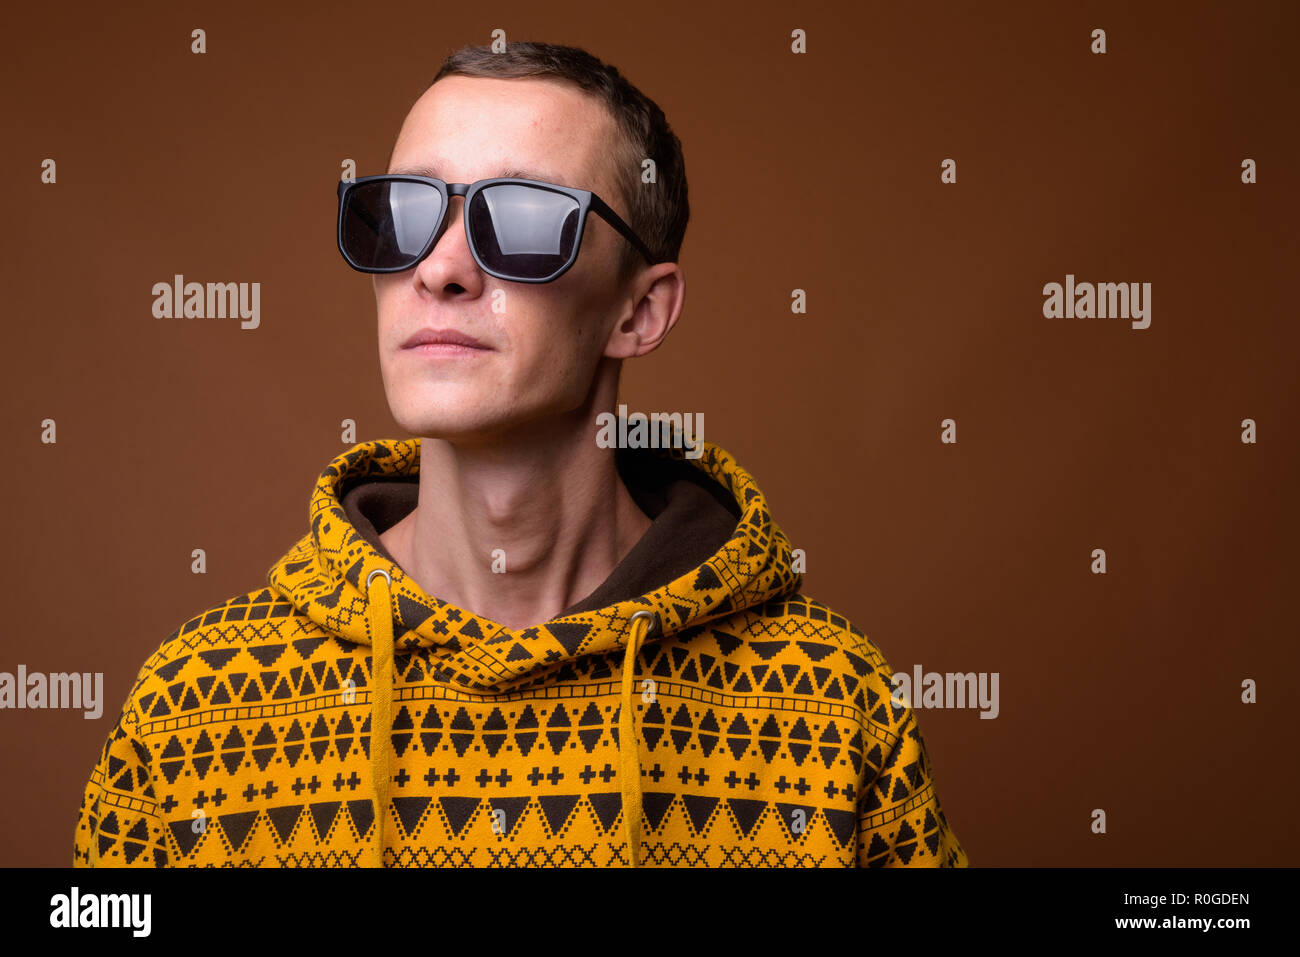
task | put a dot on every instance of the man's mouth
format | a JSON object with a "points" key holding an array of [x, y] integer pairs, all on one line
{"points": [[444, 341]]}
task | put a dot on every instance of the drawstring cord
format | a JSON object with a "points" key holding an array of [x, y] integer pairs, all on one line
{"points": [[379, 611], [629, 756]]}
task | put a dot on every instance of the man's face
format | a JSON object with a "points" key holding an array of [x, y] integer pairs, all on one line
{"points": [[542, 347]]}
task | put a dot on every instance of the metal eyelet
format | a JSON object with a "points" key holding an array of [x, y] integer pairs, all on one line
{"points": [[654, 620], [379, 571]]}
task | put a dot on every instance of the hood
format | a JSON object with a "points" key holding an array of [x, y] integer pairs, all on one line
{"points": [[712, 550]]}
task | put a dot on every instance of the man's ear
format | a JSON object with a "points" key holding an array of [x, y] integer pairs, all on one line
{"points": [[649, 312]]}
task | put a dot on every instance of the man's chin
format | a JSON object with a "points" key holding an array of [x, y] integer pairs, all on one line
{"points": [[440, 428], [437, 420]]}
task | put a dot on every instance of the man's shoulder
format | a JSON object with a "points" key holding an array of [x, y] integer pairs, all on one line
{"points": [[814, 629], [800, 646], [220, 656]]}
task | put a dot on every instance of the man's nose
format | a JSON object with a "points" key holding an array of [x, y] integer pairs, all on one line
{"points": [[455, 215]]}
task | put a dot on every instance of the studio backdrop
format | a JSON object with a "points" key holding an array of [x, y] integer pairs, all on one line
{"points": [[996, 301]]}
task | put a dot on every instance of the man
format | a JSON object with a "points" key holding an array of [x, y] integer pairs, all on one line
{"points": [[504, 642]]}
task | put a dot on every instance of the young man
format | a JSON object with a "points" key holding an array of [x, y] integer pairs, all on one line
{"points": [[504, 643]]}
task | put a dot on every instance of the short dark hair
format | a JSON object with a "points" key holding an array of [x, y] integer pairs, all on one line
{"points": [[659, 214]]}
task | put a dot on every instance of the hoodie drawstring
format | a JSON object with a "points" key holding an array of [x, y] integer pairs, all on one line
{"points": [[379, 611], [629, 753]]}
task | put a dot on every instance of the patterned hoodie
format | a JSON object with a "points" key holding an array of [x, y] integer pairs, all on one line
{"points": [[695, 710]]}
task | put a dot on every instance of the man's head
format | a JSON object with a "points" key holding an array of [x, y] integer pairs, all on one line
{"points": [[549, 349]]}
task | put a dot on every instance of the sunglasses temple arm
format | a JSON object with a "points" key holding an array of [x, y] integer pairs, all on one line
{"points": [[611, 217]]}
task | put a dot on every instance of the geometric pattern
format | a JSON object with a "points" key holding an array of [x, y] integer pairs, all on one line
{"points": [[763, 721]]}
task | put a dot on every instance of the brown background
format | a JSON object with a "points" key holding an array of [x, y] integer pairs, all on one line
{"points": [[819, 172]]}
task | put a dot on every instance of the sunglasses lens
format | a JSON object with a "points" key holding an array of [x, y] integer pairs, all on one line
{"points": [[387, 224], [523, 232]]}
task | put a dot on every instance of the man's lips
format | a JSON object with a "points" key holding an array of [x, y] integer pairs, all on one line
{"points": [[442, 337]]}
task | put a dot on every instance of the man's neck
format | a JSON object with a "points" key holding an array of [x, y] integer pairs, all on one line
{"points": [[517, 533]]}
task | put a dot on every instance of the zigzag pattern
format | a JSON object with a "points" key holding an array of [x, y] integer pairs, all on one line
{"points": [[766, 735]]}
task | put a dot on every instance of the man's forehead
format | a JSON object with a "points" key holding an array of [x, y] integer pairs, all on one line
{"points": [[515, 170], [539, 117]]}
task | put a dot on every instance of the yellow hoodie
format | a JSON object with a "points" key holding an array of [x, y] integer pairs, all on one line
{"points": [[695, 710]]}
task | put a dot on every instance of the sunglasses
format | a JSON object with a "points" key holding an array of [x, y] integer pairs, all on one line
{"points": [[520, 230]]}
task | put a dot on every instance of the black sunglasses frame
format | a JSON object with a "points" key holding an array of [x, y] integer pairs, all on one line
{"points": [[587, 202]]}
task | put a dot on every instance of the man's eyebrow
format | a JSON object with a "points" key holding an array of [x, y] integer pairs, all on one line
{"points": [[506, 172]]}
